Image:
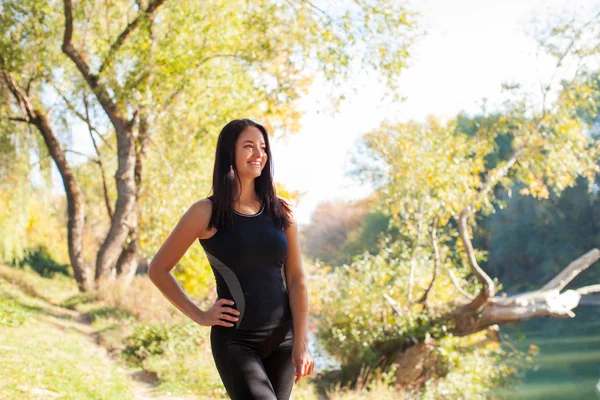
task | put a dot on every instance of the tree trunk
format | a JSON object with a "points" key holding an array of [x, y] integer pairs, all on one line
{"points": [[545, 302], [75, 205], [125, 215], [128, 261], [75, 199]]}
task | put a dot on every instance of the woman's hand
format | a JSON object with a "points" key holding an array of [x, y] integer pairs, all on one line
{"points": [[302, 360], [218, 314]]}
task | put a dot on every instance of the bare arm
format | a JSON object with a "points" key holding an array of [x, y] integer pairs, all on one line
{"points": [[191, 226], [298, 294]]}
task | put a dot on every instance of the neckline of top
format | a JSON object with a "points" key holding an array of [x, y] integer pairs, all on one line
{"points": [[262, 207]]}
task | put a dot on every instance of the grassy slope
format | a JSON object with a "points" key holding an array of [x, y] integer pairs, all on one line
{"points": [[44, 353]]}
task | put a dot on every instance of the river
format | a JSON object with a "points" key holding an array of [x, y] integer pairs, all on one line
{"points": [[568, 362], [567, 366]]}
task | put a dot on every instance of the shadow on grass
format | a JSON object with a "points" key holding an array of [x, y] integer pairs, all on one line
{"points": [[106, 312], [41, 261], [33, 309]]}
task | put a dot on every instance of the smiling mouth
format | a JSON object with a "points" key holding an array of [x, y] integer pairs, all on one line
{"points": [[255, 164]]}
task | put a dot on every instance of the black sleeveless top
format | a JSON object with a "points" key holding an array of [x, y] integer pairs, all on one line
{"points": [[247, 261]]}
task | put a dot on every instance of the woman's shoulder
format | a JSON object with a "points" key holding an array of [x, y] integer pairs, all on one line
{"points": [[203, 206], [201, 212]]}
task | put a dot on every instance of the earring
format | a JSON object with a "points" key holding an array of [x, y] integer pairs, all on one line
{"points": [[231, 173]]}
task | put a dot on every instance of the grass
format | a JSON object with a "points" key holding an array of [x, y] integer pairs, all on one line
{"points": [[41, 354], [47, 352]]}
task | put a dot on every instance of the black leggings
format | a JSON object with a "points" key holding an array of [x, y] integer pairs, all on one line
{"points": [[254, 364]]}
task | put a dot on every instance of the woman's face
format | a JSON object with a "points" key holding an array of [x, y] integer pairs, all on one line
{"points": [[250, 153]]}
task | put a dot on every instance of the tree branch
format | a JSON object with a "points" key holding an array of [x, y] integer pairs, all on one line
{"points": [[457, 286], [588, 290], [546, 302], [411, 273], [72, 107], [436, 261], [393, 303], [100, 164], [92, 80], [573, 269], [489, 289], [152, 7], [22, 99], [82, 154], [19, 119]]}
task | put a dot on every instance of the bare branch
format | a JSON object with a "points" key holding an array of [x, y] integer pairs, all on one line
{"points": [[70, 51], [99, 90], [546, 302], [489, 289], [573, 41], [21, 98], [19, 119], [588, 290], [393, 303], [82, 154], [436, 261], [411, 273], [457, 286], [100, 164], [573, 269]]}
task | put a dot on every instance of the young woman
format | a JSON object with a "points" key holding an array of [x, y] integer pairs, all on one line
{"points": [[250, 236]]}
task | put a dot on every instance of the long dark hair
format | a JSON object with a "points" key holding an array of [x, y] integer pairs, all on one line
{"points": [[224, 185]]}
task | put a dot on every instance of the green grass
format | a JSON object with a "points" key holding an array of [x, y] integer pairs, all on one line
{"points": [[40, 354], [43, 353]]}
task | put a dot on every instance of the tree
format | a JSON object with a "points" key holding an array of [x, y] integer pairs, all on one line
{"points": [[138, 70], [452, 176], [340, 230]]}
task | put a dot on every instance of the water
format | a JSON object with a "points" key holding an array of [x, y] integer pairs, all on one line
{"points": [[567, 366], [323, 360], [568, 363]]}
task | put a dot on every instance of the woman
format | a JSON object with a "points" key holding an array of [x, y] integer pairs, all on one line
{"points": [[250, 236]]}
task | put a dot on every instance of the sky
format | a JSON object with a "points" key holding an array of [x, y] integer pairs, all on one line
{"points": [[470, 48]]}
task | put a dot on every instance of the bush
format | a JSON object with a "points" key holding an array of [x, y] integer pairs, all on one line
{"points": [[12, 314], [42, 262], [146, 340], [359, 327], [179, 355]]}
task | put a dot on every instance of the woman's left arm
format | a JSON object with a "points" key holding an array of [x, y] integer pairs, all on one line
{"points": [[296, 284]]}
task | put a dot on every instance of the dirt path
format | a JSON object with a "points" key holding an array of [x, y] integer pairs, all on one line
{"points": [[142, 383]]}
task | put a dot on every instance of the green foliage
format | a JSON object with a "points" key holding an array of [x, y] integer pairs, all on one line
{"points": [[178, 354], [147, 340], [338, 231], [558, 230], [357, 324], [155, 339], [472, 368], [184, 73], [12, 313], [359, 327]]}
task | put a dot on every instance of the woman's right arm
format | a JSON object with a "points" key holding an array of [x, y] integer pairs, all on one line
{"points": [[191, 226]]}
